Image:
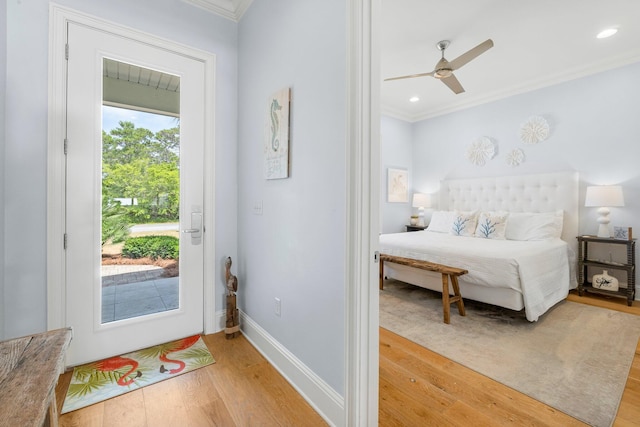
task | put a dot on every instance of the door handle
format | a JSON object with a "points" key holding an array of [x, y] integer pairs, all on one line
{"points": [[196, 227]]}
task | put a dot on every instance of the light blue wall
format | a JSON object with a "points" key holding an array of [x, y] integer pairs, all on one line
{"points": [[25, 168], [25, 162], [295, 250], [396, 151]]}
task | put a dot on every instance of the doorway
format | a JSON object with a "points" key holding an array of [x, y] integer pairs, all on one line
{"points": [[86, 170]]}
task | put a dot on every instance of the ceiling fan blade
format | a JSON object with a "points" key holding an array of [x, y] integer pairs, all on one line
{"points": [[453, 84], [471, 54], [410, 76]]}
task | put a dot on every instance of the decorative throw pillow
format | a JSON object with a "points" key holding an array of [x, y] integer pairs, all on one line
{"points": [[492, 225], [464, 223], [441, 221], [535, 226]]}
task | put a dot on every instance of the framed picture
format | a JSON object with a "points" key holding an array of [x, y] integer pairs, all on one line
{"points": [[397, 185], [276, 136], [622, 233]]}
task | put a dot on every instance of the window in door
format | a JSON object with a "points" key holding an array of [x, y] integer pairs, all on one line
{"points": [[140, 191]]}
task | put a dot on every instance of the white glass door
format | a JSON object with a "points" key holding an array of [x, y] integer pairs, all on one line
{"points": [[134, 207]]}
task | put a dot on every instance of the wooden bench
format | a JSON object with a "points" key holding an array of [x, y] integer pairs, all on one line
{"points": [[29, 370], [446, 271]]}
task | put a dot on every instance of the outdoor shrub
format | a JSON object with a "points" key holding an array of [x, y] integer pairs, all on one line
{"points": [[154, 247], [115, 226]]}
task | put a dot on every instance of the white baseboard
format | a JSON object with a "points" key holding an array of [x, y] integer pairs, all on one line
{"points": [[220, 320], [324, 399]]}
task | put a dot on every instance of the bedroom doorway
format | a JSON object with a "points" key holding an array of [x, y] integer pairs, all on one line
{"points": [[127, 173]]}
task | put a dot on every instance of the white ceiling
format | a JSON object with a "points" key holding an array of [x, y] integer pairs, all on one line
{"points": [[537, 43]]}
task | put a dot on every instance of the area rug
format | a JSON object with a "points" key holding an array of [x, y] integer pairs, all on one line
{"points": [[575, 358], [98, 381]]}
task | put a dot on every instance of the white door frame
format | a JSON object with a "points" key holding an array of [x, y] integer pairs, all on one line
{"points": [[56, 273], [363, 210]]}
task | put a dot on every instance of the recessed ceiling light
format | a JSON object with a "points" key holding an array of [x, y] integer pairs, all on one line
{"points": [[414, 99], [607, 33]]}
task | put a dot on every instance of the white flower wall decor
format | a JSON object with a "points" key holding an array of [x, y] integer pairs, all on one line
{"points": [[481, 150], [515, 157], [534, 130]]}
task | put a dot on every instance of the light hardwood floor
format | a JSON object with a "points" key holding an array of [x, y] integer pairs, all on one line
{"points": [[240, 389], [420, 387], [417, 388]]}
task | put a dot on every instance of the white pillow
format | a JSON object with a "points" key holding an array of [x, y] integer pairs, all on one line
{"points": [[535, 226], [492, 225], [464, 223], [441, 221]]}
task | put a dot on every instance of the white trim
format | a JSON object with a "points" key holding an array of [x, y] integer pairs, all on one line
{"points": [[363, 152], [59, 16], [137, 108], [209, 221], [396, 114], [230, 9], [56, 275], [324, 399], [220, 321]]}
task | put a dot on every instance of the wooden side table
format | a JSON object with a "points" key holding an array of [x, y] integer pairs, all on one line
{"points": [[414, 227], [29, 370], [628, 265]]}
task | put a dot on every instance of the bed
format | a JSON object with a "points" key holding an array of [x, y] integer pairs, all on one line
{"points": [[520, 270]]}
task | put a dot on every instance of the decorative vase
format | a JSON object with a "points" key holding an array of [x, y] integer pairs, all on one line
{"points": [[604, 281], [413, 220]]}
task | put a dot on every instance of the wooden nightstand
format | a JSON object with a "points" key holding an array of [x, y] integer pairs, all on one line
{"points": [[628, 265], [415, 227]]}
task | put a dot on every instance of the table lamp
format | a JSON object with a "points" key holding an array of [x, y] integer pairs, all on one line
{"points": [[604, 196], [421, 201]]}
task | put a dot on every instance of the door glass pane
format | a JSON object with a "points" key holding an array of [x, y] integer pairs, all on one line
{"points": [[140, 191]]}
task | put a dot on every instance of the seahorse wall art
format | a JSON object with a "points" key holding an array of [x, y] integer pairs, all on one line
{"points": [[275, 124], [276, 135]]}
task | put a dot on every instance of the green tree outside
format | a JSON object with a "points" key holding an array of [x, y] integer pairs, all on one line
{"points": [[144, 168]]}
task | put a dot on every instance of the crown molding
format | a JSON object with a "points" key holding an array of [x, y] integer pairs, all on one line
{"points": [[529, 86], [230, 9], [385, 110]]}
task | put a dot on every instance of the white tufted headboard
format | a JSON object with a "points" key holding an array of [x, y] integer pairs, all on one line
{"points": [[524, 193]]}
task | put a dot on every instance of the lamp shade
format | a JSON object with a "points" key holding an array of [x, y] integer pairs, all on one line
{"points": [[421, 200], [604, 195]]}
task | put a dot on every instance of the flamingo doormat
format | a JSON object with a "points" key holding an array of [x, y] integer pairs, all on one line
{"points": [[98, 381]]}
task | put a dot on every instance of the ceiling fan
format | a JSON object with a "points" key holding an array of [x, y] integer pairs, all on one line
{"points": [[444, 69]]}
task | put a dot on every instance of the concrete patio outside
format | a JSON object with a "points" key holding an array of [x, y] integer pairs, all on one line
{"points": [[136, 290]]}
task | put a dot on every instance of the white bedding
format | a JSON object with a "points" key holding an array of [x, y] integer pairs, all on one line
{"points": [[539, 270]]}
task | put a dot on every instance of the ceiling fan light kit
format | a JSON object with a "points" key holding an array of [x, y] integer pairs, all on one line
{"points": [[444, 69], [443, 73]]}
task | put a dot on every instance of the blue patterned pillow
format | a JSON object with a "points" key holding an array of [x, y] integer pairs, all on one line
{"points": [[464, 223], [492, 225]]}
